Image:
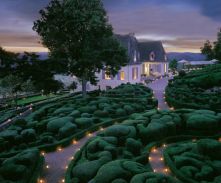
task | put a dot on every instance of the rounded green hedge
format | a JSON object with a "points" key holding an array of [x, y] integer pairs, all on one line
{"points": [[24, 167], [197, 90], [194, 162], [53, 122], [119, 153]]}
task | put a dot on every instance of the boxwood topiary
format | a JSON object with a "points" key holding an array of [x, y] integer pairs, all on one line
{"points": [[67, 130], [56, 124], [83, 122], [149, 177]]}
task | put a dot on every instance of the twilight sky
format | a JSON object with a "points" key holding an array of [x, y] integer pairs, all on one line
{"points": [[182, 25]]}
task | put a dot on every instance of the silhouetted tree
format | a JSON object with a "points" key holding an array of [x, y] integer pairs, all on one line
{"points": [[207, 50], [213, 51]]}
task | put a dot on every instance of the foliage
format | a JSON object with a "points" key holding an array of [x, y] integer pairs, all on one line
{"points": [[21, 167], [119, 153], [207, 50], [55, 121], [78, 33], [195, 162], [173, 65], [213, 51], [196, 90], [27, 73]]}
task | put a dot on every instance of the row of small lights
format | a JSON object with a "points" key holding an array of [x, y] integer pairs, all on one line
{"points": [[60, 149], [165, 170], [30, 108]]}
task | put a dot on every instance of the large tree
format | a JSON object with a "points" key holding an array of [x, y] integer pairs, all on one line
{"points": [[78, 32]]}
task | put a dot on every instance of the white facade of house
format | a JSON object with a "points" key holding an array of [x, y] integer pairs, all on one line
{"points": [[133, 74], [128, 74], [147, 60]]}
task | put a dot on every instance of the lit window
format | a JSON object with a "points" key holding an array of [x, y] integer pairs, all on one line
{"points": [[134, 73], [107, 76], [122, 75]]}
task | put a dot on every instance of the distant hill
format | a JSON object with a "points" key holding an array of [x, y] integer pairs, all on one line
{"points": [[186, 56], [172, 55], [43, 55]]}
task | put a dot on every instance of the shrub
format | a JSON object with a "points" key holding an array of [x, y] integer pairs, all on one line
{"points": [[129, 109], [63, 110], [149, 177], [83, 122], [28, 135], [67, 130], [202, 122], [20, 167], [102, 114], [86, 115], [75, 114], [133, 146], [121, 112], [119, 169], [56, 124], [209, 147], [121, 132], [87, 109], [86, 171]]}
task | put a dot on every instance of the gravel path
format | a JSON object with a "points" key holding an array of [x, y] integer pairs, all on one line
{"points": [[56, 162], [159, 87], [157, 162], [156, 155]]}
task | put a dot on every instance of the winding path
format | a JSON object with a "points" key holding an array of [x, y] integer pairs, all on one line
{"points": [[57, 162], [159, 86], [156, 159]]}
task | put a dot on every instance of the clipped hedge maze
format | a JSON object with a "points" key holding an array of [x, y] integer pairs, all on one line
{"points": [[57, 122], [195, 162], [23, 167], [120, 153], [197, 90]]}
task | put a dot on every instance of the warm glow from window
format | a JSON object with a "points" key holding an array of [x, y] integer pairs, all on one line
{"points": [[135, 73], [107, 77], [165, 68], [122, 75]]}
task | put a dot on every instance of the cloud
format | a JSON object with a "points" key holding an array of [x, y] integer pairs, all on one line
{"points": [[209, 8], [180, 24]]}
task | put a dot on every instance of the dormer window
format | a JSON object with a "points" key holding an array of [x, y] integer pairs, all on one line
{"points": [[165, 57], [152, 56]]}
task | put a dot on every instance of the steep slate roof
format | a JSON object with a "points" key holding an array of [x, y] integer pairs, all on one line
{"points": [[130, 43], [146, 48]]}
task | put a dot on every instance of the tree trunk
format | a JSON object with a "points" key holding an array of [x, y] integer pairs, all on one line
{"points": [[84, 87]]}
